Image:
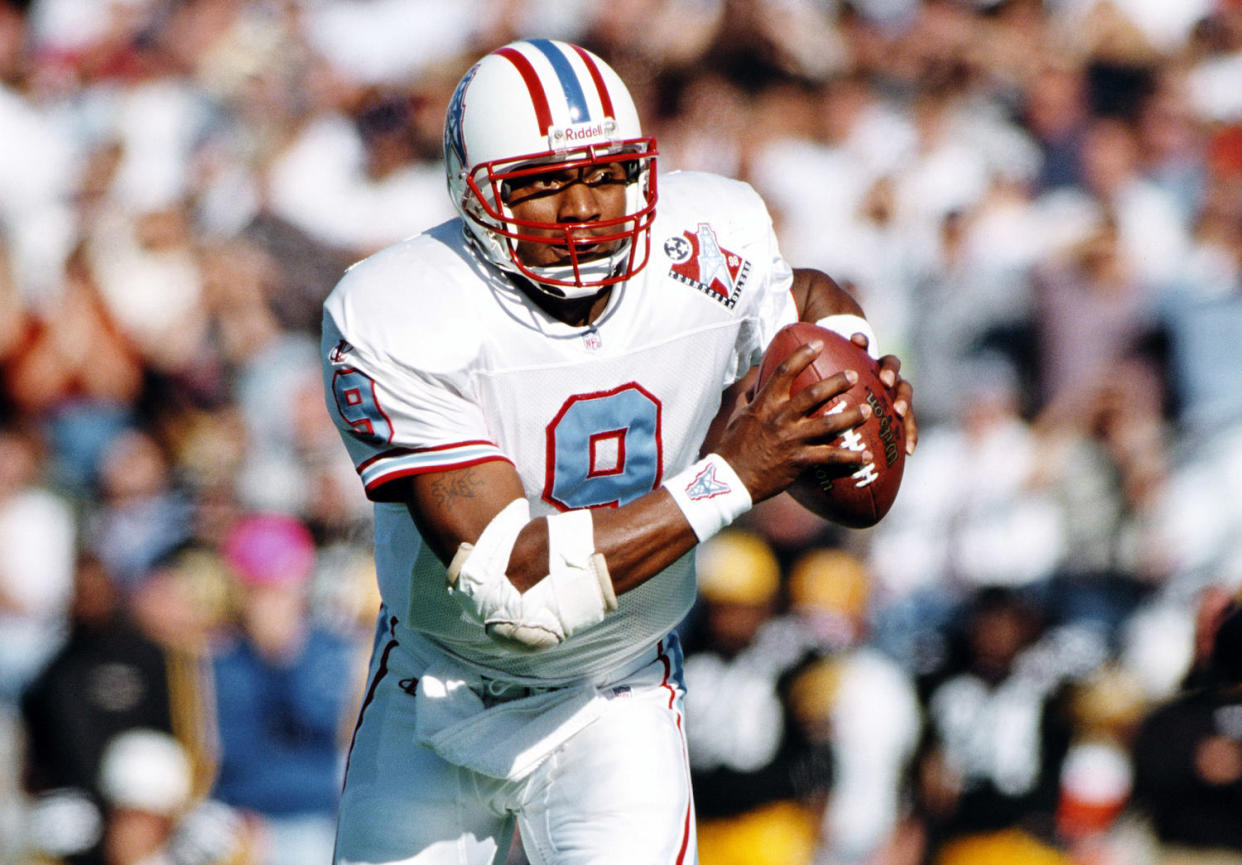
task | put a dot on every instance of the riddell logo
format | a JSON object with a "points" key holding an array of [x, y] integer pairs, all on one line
{"points": [[562, 136], [593, 131]]}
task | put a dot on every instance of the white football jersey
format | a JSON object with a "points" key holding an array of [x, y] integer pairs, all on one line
{"points": [[434, 360]]}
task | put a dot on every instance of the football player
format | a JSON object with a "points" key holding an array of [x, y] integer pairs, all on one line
{"points": [[528, 394]]}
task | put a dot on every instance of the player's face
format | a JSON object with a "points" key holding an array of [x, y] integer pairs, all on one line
{"points": [[579, 201]]}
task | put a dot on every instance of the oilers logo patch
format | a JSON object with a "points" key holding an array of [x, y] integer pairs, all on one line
{"points": [[706, 485], [698, 261]]}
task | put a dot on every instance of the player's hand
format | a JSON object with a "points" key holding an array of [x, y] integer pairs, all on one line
{"points": [[903, 397], [902, 391], [576, 593], [488, 598], [773, 437], [477, 581]]}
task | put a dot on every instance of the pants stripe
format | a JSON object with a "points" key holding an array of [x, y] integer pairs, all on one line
{"points": [[380, 672]]}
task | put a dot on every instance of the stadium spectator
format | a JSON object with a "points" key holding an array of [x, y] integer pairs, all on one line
{"points": [[862, 702], [759, 779], [281, 686], [1188, 751], [999, 728], [109, 678]]}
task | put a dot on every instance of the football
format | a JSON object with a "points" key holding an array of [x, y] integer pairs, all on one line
{"points": [[857, 497]]}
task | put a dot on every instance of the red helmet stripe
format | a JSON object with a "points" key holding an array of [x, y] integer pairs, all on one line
{"points": [[604, 99], [538, 96]]}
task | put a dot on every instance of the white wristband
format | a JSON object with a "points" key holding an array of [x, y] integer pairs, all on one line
{"points": [[847, 325], [710, 494]]}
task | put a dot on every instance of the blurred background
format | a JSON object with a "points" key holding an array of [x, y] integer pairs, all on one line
{"points": [[1035, 658]]}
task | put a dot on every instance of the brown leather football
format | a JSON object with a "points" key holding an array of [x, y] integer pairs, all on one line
{"points": [[857, 497]]}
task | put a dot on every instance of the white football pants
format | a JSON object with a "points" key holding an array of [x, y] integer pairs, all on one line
{"points": [[616, 791]]}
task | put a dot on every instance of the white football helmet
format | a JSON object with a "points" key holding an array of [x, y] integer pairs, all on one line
{"points": [[537, 103]]}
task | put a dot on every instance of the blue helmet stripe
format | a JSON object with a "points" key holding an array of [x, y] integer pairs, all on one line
{"points": [[578, 110]]}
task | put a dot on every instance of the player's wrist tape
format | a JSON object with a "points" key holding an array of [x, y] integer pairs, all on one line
{"points": [[847, 325], [710, 494], [576, 593], [478, 580]]}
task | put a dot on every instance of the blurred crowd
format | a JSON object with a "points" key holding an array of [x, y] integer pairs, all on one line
{"points": [[1034, 658]]}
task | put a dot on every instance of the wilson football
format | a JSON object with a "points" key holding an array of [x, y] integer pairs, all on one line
{"points": [[857, 497]]}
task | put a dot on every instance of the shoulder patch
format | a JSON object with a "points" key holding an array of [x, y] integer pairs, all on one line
{"points": [[697, 259]]}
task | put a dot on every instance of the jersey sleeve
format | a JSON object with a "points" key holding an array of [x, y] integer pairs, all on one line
{"points": [[397, 421], [770, 303], [776, 307]]}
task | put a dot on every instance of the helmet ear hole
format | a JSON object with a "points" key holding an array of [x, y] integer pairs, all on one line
{"points": [[552, 104]]}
